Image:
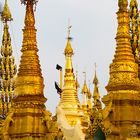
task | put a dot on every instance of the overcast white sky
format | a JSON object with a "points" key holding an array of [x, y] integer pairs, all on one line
{"points": [[93, 30]]}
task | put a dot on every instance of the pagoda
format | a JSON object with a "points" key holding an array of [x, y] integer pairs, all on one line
{"points": [[28, 118], [96, 95], [85, 91], [135, 31], [7, 67], [69, 101], [124, 85]]}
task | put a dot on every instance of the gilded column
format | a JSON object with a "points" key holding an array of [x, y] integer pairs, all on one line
{"points": [[28, 118], [123, 86], [29, 77], [69, 101], [96, 94]]}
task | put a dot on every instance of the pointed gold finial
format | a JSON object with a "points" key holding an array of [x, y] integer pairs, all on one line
{"points": [[69, 29], [96, 94], [123, 4], [95, 80], [85, 93], [68, 50], [85, 88], [85, 76], [6, 14]]}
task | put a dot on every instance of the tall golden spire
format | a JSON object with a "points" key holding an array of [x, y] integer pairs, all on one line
{"points": [[86, 105], [69, 78], [96, 94], [8, 67], [124, 85], [135, 33], [28, 118], [6, 14], [29, 79], [69, 101], [123, 70], [85, 91]]}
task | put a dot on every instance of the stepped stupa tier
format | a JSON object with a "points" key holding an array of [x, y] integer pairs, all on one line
{"points": [[28, 117], [7, 67], [69, 101], [29, 76], [124, 85]]}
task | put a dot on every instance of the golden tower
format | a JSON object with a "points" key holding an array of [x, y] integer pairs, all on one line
{"points": [[7, 66], [69, 101], [123, 86], [85, 92], [28, 118], [96, 94], [97, 129]]}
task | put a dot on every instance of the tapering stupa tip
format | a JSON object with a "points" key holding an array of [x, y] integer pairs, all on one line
{"points": [[6, 14], [68, 50]]}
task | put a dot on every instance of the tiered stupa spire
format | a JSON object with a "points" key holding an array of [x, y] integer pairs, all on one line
{"points": [[29, 64], [123, 86], [96, 94], [28, 118], [135, 31], [123, 70], [8, 67], [85, 91], [69, 101]]}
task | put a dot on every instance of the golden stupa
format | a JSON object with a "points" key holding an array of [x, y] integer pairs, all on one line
{"points": [[27, 117], [23, 115], [7, 67]]}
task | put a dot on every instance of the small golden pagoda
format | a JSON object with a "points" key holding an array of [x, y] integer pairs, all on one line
{"points": [[28, 118], [99, 127], [85, 92], [69, 101], [7, 67], [96, 94], [124, 85]]}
